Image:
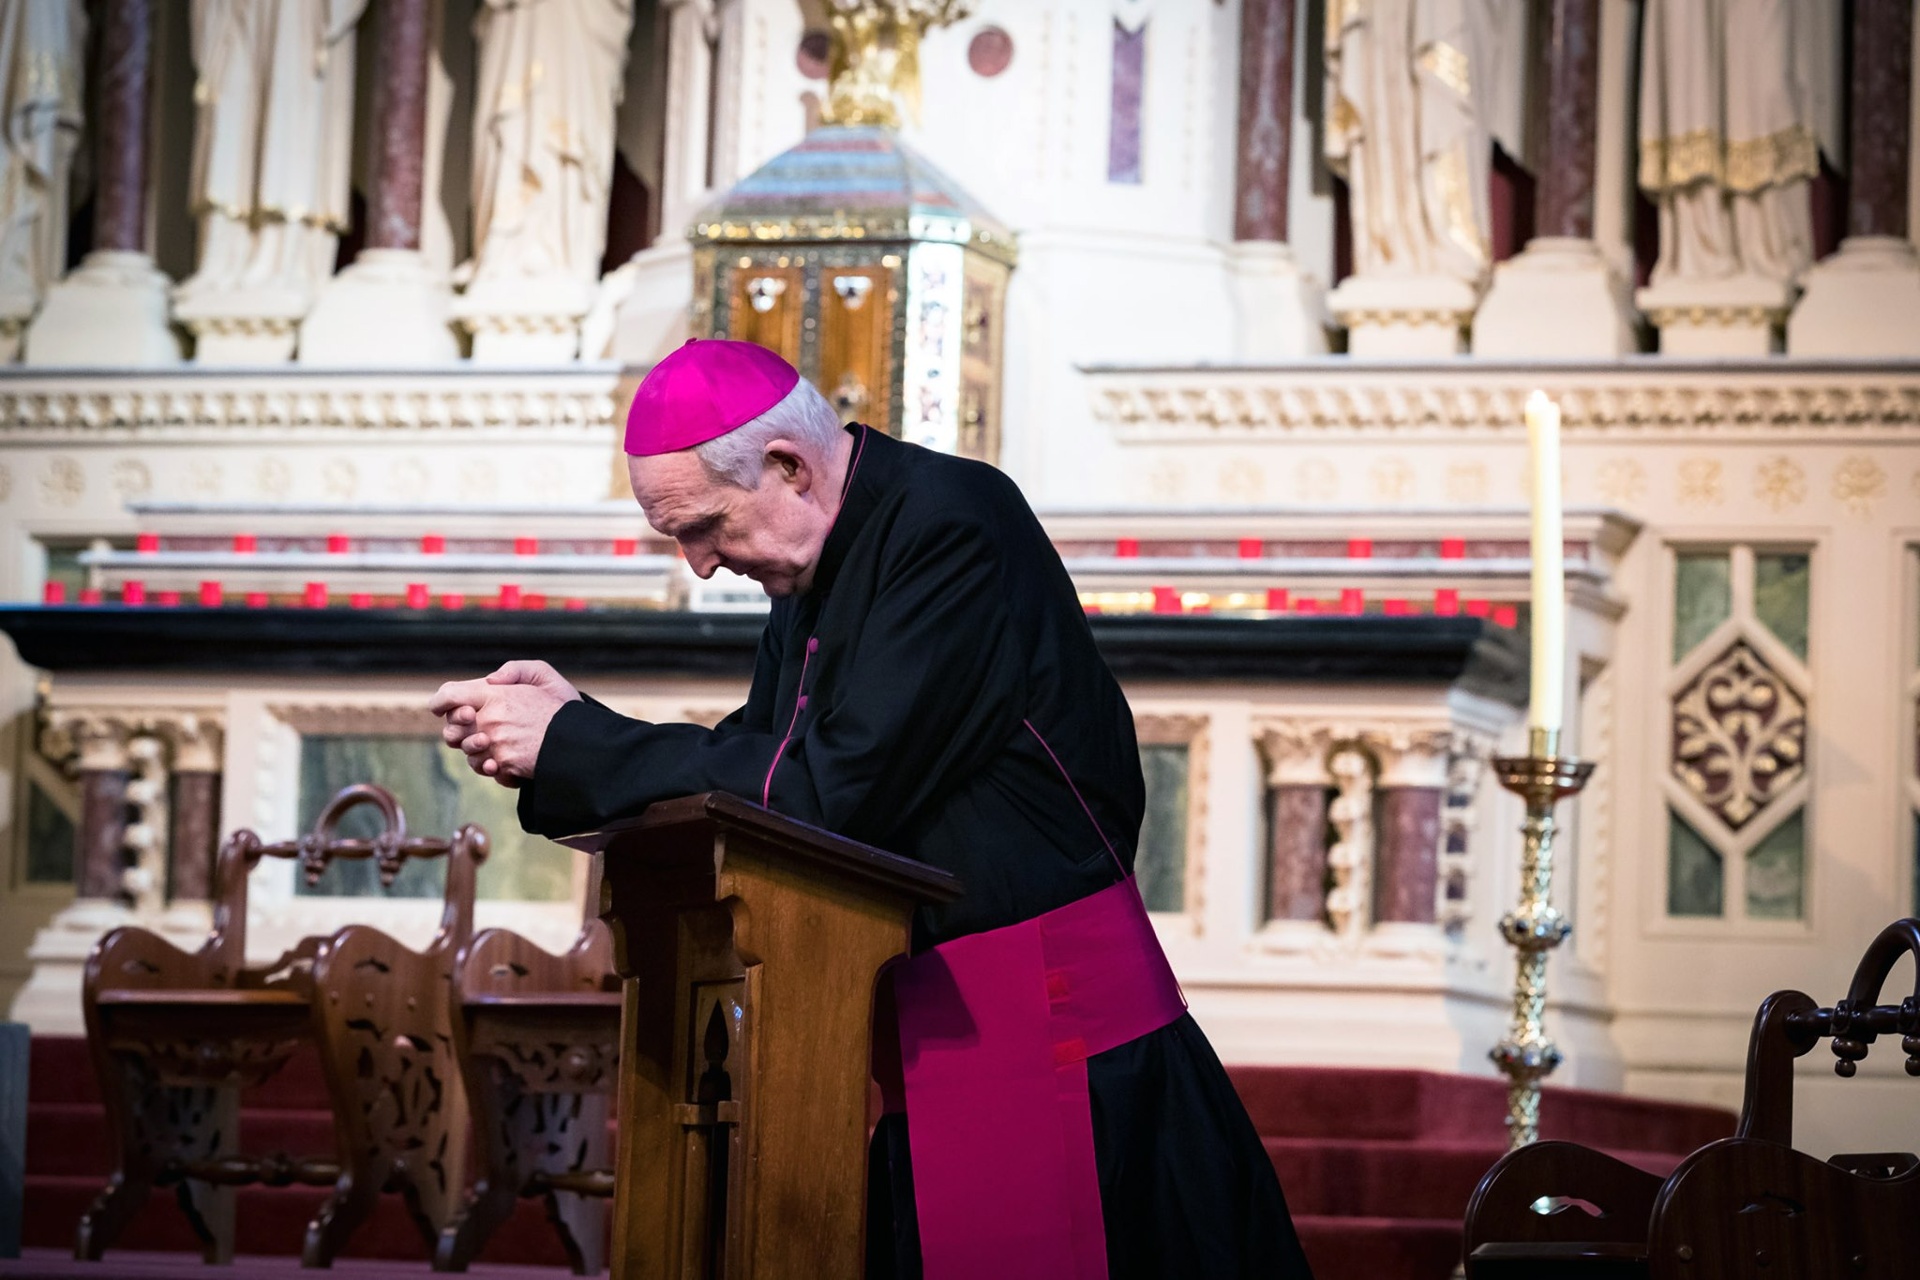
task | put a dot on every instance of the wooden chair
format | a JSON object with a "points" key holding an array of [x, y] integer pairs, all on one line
{"points": [[538, 1037], [1744, 1206], [176, 1035]]}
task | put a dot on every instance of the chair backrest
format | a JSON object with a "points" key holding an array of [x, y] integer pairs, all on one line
{"points": [[319, 848]]}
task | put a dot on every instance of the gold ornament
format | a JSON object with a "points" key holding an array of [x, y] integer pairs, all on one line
{"points": [[874, 66]]}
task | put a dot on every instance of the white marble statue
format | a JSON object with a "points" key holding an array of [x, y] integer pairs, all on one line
{"points": [[272, 143], [1409, 92], [40, 52], [1728, 133], [550, 82]]}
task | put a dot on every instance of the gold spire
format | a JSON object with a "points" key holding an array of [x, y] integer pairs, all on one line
{"points": [[875, 63]]}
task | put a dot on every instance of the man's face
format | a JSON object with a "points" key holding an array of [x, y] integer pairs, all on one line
{"points": [[772, 534]]}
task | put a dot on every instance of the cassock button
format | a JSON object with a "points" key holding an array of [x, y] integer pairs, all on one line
{"points": [[813, 644], [803, 702]]}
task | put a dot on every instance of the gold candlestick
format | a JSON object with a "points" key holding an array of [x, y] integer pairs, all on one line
{"points": [[1527, 1055]]}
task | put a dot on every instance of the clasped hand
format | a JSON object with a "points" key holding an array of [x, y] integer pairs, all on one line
{"points": [[500, 721]]}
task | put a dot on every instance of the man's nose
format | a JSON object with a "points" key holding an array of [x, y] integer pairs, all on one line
{"points": [[702, 560]]}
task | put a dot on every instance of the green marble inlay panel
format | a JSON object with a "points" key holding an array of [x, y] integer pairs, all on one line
{"points": [[1696, 881], [50, 839], [437, 792], [1160, 865], [1702, 598], [1776, 871], [1781, 584]]}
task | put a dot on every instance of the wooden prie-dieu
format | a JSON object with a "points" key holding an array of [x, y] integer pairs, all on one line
{"points": [[1745, 1207], [750, 945], [176, 1035]]}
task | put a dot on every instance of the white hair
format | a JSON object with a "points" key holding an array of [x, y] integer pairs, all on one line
{"points": [[803, 416]]}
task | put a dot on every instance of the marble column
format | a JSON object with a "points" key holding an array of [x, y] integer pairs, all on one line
{"points": [[1864, 300], [112, 308], [390, 307], [99, 854], [193, 812], [1407, 855], [1297, 852], [1558, 296], [1280, 311]]}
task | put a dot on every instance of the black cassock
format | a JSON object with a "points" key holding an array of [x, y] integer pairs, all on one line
{"points": [[909, 700]]}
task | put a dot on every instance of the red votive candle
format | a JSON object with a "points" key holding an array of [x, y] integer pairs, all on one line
{"points": [[626, 546], [1359, 548], [316, 595], [453, 600], [133, 591], [1507, 616], [257, 600], [533, 600], [146, 542], [211, 596], [1252, 548], [509, 596], [338, 544], [360, 600], [1276, 599], [245, 543], [1306, 604], [1352, 600], [574, 604], [169, 599], [89, 595], [1446, 602], [432, 544], [1453, 548], [1479, 608], [1395, 608], [526, 546], [53, 593], [1127, 548], [1166, 600], [417, 595]]}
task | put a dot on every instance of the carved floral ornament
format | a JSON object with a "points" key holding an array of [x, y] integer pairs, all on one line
{"points": [[1179, 405], [1739, 736], [1297, 751], [87, 739]]}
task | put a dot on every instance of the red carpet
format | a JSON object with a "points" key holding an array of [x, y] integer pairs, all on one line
{"points": [[1377, 1166]]}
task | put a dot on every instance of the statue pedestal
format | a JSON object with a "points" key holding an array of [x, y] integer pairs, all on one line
{"points": [[1404, 317], [1279, 310], [1557, 298], [655, 317], [110, 310], [1737, 316], [535, 320], [1862, 301], [387, 308], [243, 326]]}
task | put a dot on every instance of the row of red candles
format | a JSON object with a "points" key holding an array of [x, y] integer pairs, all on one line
{"points": [[1446, 601], [339, 544], [436, 544]]}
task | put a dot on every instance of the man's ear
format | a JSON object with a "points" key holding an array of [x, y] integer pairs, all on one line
{"points": [[791, 464]]}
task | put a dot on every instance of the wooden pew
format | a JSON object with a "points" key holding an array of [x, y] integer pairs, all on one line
{"points": [[175, 1036], [539, 1042], [1742, 1207]]}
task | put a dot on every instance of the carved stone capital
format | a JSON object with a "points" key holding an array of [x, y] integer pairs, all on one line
{"points": [[195, 739], [87, 740]]}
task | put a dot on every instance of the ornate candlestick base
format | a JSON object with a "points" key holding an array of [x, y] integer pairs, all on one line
{"points": [[1527, 1055]]}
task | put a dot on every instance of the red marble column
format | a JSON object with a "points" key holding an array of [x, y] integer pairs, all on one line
{"points": [[193, 834], [1296, 852], [1880, 134], [1564, 202], [404, 38], [100, 852], [125, 75], [1406, 861], [1266, 120]]}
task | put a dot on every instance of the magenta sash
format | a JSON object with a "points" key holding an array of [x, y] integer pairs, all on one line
{"points": [[995, 1032]]}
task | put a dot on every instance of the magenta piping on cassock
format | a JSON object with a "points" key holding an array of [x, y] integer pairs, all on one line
{"points": [[813, 643]]}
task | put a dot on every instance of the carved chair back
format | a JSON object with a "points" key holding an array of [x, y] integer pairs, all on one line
{"points": [[390, 849]]}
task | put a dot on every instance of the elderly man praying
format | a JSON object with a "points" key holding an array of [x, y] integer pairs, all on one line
{"points": [[927, 683]]}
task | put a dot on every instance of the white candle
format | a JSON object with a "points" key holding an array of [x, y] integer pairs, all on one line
{"points": [[1549, 591]]}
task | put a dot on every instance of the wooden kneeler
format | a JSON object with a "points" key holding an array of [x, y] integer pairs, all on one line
{"points": [[176, 1035], [750, 945]]}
